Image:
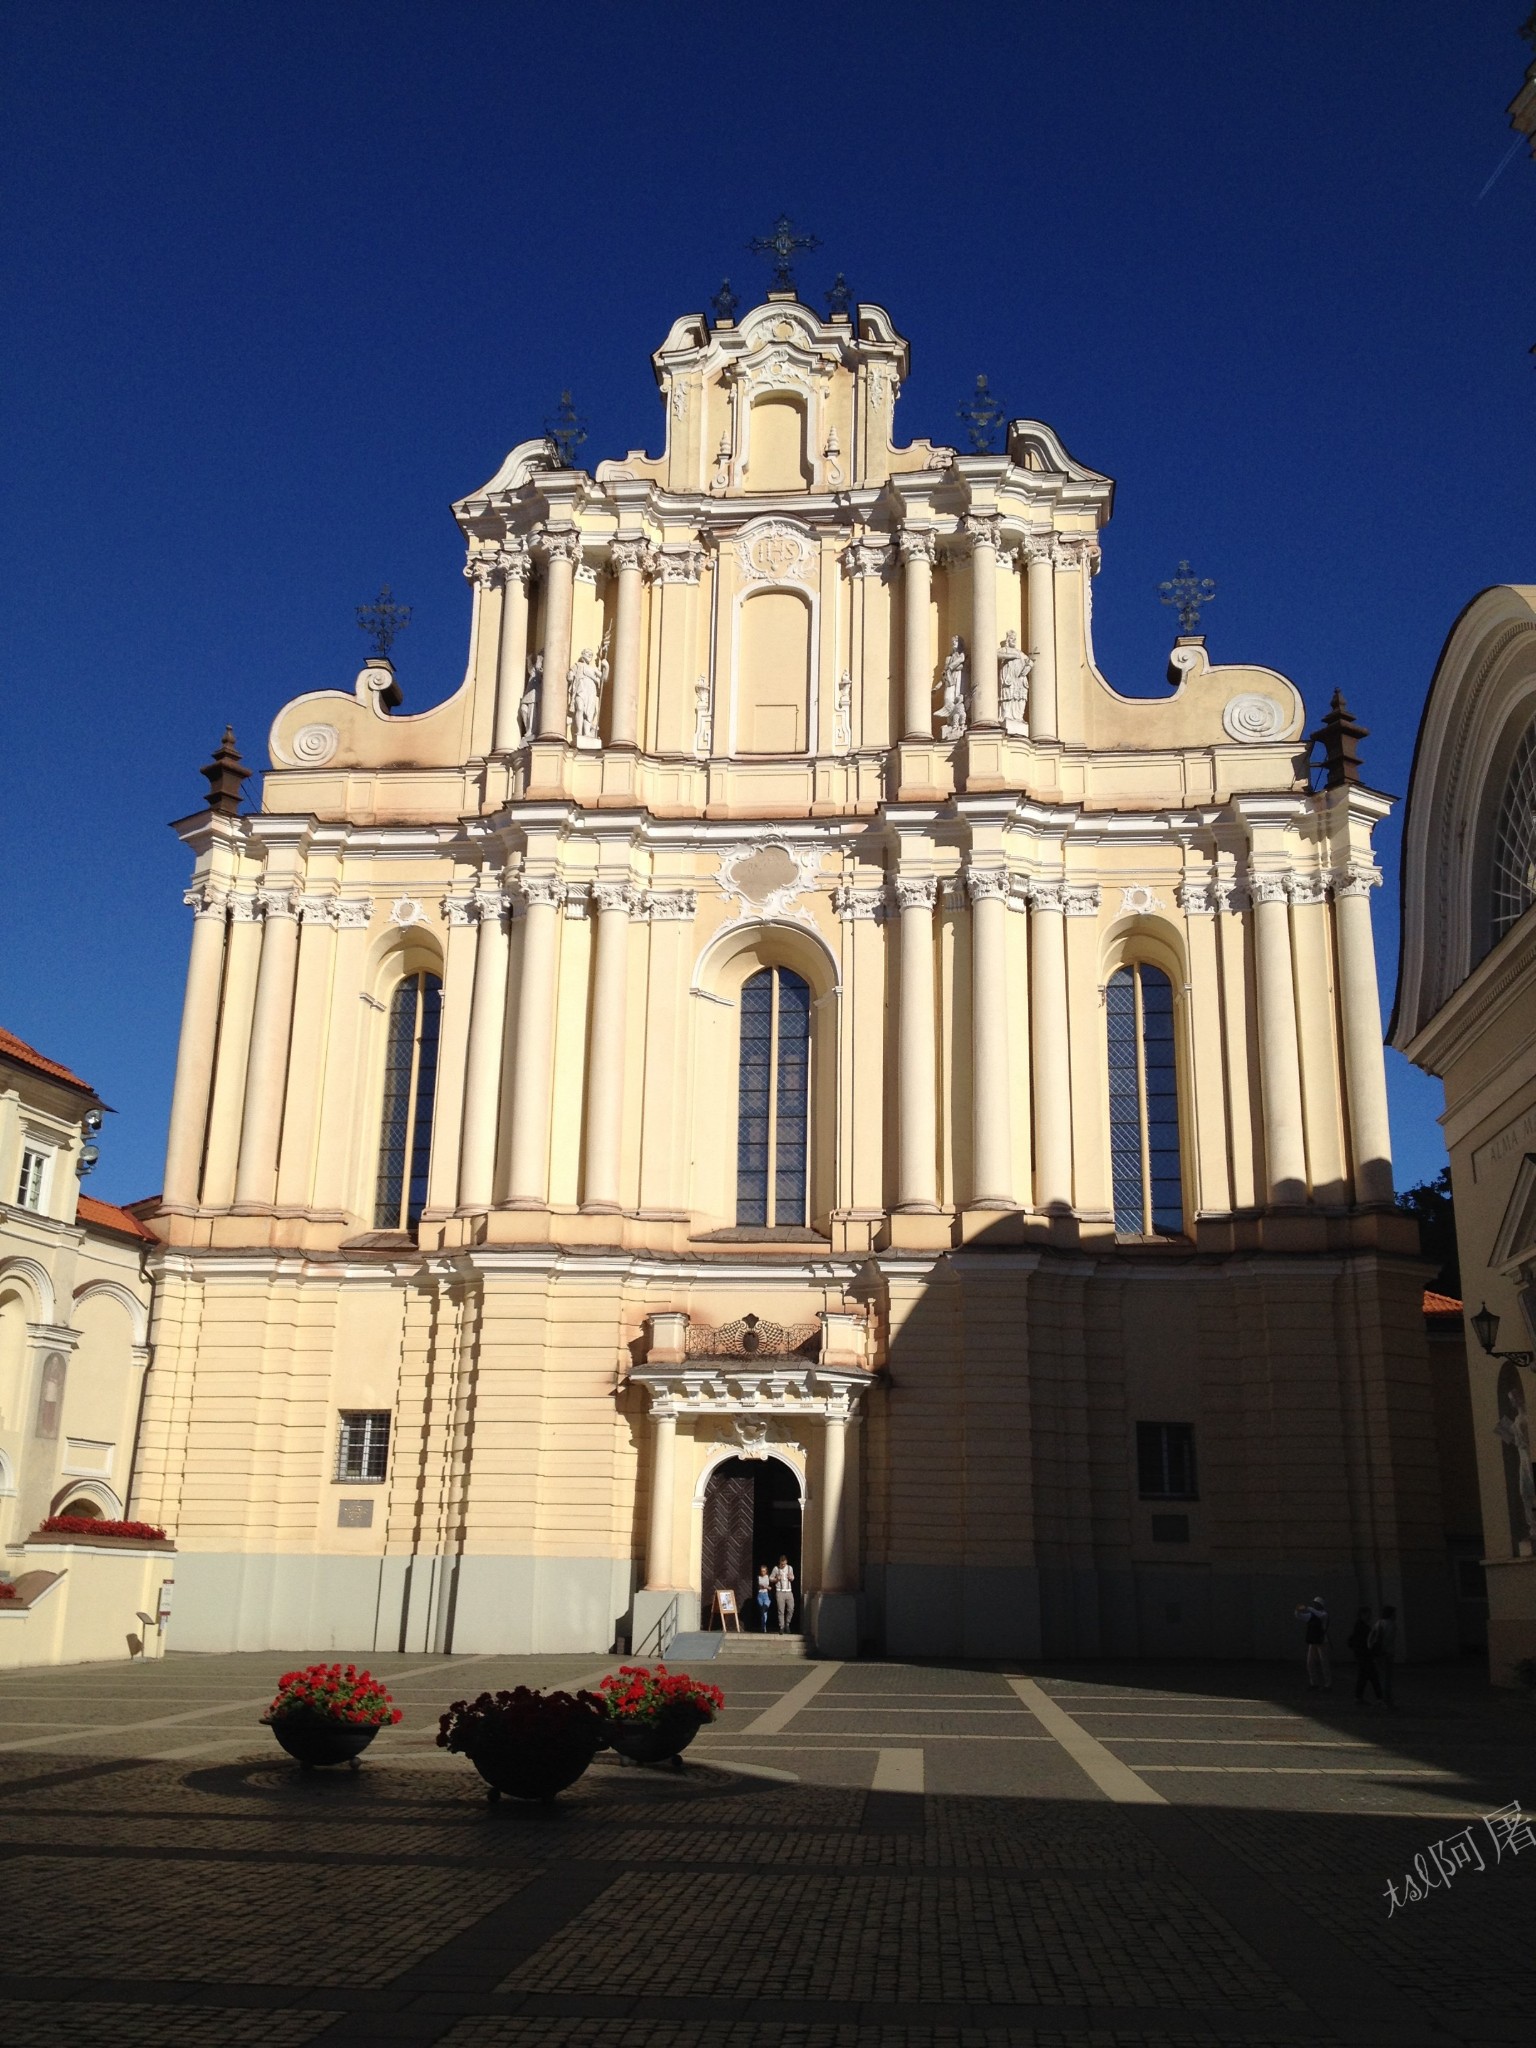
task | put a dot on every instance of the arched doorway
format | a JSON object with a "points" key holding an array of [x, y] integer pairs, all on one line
{"points": [[751, 1517]]}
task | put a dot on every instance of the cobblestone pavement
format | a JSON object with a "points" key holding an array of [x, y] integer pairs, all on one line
{"points": [[856, 1856]]}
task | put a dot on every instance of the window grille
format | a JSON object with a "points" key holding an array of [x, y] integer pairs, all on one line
{"points": [[773, 1128], [29, 1191], [1143, 1104], [1514, 841], [410, 1085], [1165, 1461], [363, 1449]]}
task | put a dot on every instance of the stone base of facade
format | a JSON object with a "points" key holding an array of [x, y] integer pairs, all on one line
{"points": [[1511, 1616]]}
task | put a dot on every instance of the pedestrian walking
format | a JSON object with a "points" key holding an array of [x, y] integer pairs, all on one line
{"points": [[1365, 1657], [1384, 1647], [764, 1596], [783, 1576], [1319, 1670]]}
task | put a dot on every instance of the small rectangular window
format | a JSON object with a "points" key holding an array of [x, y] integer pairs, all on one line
{"points": [[34, 1167], [363, 1450], [1165, 1460]]}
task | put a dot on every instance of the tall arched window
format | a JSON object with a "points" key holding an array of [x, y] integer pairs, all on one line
{"points": [[1144, 1104], [410, 1082], [1514, 841], [772, 1126]]}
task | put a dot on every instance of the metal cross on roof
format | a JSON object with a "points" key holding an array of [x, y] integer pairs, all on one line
{"points": [[1189, 592], [567, 430], [383, 620], [781, 248], [981, 416], [723, 305]]}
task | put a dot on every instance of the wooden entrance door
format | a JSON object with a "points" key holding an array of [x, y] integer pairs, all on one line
{"points": [[729, 1505]]}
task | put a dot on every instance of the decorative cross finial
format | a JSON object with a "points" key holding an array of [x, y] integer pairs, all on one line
{"points": [[1340, 738], [840, 298], [723, 305], [226, 773], [781, 248], [981, 416], [384, 620], [567, 430], [1189, 593]]}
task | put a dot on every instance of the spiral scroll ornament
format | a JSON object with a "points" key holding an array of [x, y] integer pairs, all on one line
{"points": [[1252, 718], [313, 745]]}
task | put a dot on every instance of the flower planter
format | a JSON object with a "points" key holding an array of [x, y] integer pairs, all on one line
{"points": [[535, 1769], [660, 1739], [315, 1740], [527, 1744]]}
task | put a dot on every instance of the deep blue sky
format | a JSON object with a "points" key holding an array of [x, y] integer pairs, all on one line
{"points": [[284, 280]]}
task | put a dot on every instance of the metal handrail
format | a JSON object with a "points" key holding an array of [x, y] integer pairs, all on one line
{"points": [[662, 1634]]}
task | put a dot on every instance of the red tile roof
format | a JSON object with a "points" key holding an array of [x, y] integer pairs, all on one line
{"points": [[1440, 1304], [107, 1216], [24, 1055]]}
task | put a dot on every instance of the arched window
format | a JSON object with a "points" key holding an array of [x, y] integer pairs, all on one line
{"points": [[774, 1096], [1514, 842], [410, 1081], [1143, 1104]]}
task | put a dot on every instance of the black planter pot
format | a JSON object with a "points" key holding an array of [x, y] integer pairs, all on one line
{"points": [[537, 1769], [654, 1742], [315, 1740]]}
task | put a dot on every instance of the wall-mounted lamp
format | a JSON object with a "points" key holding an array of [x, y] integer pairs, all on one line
{"points": [[1485, 1327], [89, 1154]]}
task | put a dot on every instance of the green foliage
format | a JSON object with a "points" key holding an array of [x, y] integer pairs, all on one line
{"points": [[1431, 1203]]}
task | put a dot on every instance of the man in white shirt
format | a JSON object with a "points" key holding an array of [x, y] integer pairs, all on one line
{"points": [[783, 1577]]}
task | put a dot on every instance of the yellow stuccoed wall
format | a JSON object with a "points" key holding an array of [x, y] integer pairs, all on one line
{"points": [[558, 1342]]}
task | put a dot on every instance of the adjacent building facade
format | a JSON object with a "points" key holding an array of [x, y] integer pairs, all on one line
{"points": [[1466, 1011], [788, 1059]]}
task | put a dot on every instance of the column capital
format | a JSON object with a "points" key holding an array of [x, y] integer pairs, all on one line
{"points": [[1355, 881], [982, 530], [354, 913], [918, 544], [542, 892], [915, 892], [866, 557], [1309, 887], [280, 903], [205, 900], [484, 565], [1081, 900], [619, 896], [629, 557], [315, 908], [247, 906], [561, 544], [858, 905], [1051, 896], [1196, 897], [515, 559], [1269, 887], [668, 906], [982, 883], [680, 564], [1038, 547]]}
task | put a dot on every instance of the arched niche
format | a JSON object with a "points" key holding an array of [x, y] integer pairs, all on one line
{"points": [[772, 700], [778, 458]]}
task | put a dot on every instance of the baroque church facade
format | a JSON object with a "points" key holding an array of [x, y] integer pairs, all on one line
{"points": [[786, 1059]]}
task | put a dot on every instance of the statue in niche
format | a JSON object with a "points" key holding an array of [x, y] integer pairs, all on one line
{"points": [[954, 684], [584, 681], [528, 703], [703, 721], [1514, 1428], [1013, 667]]}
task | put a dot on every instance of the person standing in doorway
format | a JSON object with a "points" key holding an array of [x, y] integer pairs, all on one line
{"points": [[1384, 1648], [1319, 1671], [783, 1576], [764, 1596], [1360, 1637]]}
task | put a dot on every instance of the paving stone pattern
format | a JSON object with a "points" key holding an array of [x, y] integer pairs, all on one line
{"points": [[167, 1877]]}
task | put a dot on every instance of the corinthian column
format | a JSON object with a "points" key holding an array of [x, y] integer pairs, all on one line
{"points": [[267, 1070], [984, 538], [628, 558], [528, 1167], [561, 552], [658, 1543], [917, 667], [482, 1061], [1370, 1134], [512, 648], [1041, 575], [1285, 1152], [1048, 1038], [917, 1070], [991, 1145], [834, 1569], [194, 1053], [605, 1068]]}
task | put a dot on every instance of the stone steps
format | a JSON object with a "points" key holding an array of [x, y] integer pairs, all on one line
{"points": [[749, 1648]]}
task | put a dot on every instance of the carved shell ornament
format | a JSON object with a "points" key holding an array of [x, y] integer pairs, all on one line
{"points": [[406, 911], [766, 875], [313, 745], [1252, 718]]}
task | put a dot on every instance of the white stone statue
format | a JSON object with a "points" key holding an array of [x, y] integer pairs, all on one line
{"points": [[1515, 1429], [954, 684], [1013, 667], [584, 681], [528, 703], [703, 722]]}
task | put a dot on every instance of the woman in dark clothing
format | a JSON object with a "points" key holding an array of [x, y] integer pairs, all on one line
{"points": [[1364, 1656]]}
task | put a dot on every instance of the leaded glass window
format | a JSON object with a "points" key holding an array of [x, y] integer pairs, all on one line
{"points": [[1144, 1104], [1514, 841], [410, 1086], [772, 1138]]}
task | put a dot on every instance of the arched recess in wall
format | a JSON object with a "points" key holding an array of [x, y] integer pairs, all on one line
{"points": [[1145, 1069], [92, 1499], [722, 1010], [777, 456], [399, 1101], [773, 694]]}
